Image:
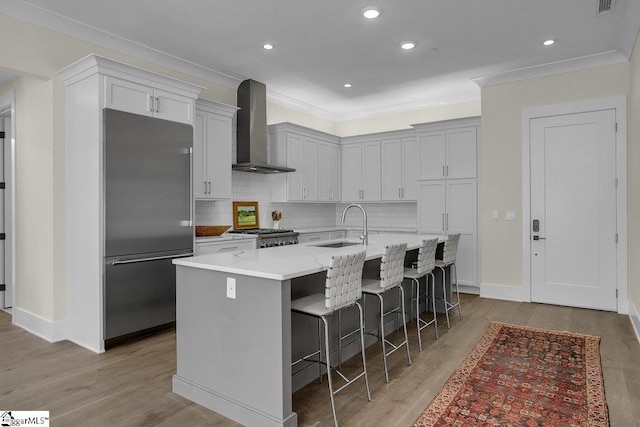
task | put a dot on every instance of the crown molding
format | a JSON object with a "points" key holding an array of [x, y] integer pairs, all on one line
{"points": [[20, 10], [570, 65]]}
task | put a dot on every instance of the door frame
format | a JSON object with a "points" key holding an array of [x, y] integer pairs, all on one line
{"points": [[8, 103], [619, 104]]}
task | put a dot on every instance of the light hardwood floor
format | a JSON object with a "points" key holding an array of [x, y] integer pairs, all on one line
{"points": [[131, 384]]}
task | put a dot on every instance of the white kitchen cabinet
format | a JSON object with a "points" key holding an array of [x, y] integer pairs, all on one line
{"points": [[204, 248], [143, 98], [450, 206], [361, 172], [212, 148], [399, 169], [314, 155], [448, 150], [91, 84], [329, 170]]}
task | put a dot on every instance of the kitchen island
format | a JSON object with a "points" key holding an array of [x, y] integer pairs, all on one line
{"points": [[234, 324]]}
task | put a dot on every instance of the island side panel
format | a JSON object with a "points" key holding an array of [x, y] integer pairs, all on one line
{"points": [[233, 355]]}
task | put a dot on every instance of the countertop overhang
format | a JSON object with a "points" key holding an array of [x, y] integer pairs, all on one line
{"points": [[288, 262]]}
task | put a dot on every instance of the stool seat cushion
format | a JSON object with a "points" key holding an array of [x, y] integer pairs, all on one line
{"points": [[412, 273], [441, 264], [372, 286], [313, 305]]}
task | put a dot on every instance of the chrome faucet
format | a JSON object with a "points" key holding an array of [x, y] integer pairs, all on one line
{"points": [[365, 232]]}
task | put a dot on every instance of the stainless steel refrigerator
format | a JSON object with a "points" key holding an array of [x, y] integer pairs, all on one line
{"points": [[148, 220]]}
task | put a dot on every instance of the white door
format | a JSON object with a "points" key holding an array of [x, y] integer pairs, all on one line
{"points": [[573, 200]]}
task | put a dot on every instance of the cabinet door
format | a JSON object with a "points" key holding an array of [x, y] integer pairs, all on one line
{"points": [[461, 217], [432, 155], [335, 173], [310, 169], [174, 107], [371, 168], [410, 169], [224, 246], [351, 172], [200, 183], [127, 96], [431, 207], [218, 156], [295, 159], [391, 169], [461, 153], [324, 172]]}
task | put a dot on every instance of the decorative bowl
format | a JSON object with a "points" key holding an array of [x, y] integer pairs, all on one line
{"points": [[211, 230]]}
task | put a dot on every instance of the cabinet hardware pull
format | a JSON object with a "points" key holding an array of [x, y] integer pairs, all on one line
{"points": [[155, 258], [443, 171], [447, 170], [399, 194], [447, 220], [442, 222], [151, 103], [157, 104]]}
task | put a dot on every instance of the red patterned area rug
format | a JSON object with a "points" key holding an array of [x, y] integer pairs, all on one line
{"points": [[520, 376]]}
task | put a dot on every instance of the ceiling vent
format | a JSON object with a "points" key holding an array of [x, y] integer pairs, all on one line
{"points": [[605, 6]]}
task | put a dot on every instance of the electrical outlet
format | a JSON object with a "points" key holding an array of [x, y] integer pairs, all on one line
{"points": [[511, 215], [231, 287], [495, 215]]}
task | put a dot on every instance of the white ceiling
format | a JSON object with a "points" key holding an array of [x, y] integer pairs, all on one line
{"points": [[322, 44]]}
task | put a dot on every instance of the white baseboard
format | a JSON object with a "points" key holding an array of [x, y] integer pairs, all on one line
{"points": [[39, 326], [469, 289], [635, 318], [502, 292]]}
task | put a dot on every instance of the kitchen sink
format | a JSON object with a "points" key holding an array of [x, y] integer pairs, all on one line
{"points": [[338, 244]]}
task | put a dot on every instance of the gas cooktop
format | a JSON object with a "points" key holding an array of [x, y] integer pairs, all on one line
{"points": [[261, 231]]}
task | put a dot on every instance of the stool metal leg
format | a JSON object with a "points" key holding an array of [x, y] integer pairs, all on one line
{"points": [[404, 324], [444, 295], [384, 350], [328, 362], [417, 284], [433, 301], [455, 271], [364, 360]]}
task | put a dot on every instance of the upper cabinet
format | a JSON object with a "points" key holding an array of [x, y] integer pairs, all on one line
{"points": [[448, 150], [361, 172], [400, 169], [125, 95], [315, 157], [212, 148]]}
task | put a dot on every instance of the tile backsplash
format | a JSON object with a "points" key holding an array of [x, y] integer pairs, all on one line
{"points": [[298, 216]]}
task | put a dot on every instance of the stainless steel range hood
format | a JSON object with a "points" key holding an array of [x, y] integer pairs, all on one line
{"points": [[252, 130]]}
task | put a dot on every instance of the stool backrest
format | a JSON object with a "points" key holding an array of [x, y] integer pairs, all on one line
{"points": [[450, 249], [343, 286], [427, 256], [392, 265]]}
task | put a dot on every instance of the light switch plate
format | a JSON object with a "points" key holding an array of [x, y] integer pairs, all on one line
{"points": [[511, 215], [495, 215], [231, 287]]}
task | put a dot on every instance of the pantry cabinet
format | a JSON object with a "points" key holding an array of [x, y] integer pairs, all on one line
{"points": [[212, 148], [448, 188], [314, 155]]}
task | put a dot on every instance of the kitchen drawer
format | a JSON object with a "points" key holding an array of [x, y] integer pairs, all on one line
{"points": [[225, 246]]}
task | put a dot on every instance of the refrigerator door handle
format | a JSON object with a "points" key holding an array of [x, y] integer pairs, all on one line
{"points": [[155, 258]]}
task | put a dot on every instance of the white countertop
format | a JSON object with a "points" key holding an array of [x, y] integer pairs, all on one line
{"points": [[287, 262]]}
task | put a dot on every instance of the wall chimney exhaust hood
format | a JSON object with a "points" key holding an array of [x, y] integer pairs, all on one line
{"points": [[252, 130]]}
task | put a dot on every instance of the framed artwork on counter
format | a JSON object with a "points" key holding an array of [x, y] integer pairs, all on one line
{"points": [[245, 215]]}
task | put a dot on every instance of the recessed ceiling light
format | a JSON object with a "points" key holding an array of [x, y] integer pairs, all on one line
{"points": [[371, 12], [347, 85], [548, 42], [407, 45], [267, 46]]}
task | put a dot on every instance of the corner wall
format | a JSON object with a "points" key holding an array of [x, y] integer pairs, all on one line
{"points": [[633, 160], [501, 158]]}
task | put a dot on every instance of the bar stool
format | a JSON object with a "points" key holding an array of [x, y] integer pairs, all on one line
{"points": [[425, 265], [343, 288], [449, 254], [391, 276]]}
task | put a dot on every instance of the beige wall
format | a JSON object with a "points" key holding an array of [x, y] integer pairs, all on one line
{"points": [[633, 161], [501, 156]]}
